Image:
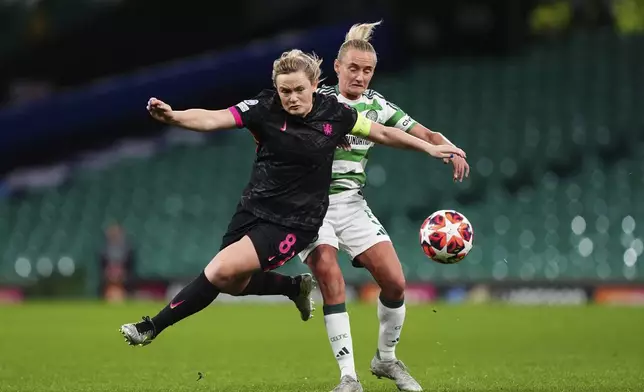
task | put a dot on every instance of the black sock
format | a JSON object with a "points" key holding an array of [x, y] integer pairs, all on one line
{"points": [[333, 309], [272, 283], [191, 299], [391, 303]]}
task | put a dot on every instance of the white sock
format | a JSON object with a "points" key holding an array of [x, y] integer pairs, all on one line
{"points": [[339, 331], [391, 322]]}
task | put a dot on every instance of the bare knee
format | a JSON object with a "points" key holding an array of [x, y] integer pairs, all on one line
{"points": [[383, 264], [393, 288], [221, 274], [232, 267], [324, 265]]}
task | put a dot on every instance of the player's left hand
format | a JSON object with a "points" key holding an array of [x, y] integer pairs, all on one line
{"points": [[461, 168], [344, 144]]}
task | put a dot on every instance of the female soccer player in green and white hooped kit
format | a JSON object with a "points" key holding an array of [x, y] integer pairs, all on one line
{"points": [[349, 224]]}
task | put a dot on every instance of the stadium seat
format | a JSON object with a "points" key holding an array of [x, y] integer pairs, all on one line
{"points": [[535, 126]]}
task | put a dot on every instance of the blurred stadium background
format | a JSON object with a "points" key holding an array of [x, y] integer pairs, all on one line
{"points": [[103, 209], [97, 200]]}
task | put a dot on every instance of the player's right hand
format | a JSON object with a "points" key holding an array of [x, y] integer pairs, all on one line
{"points": [[461, 168], [159, 110], [445, 151]]}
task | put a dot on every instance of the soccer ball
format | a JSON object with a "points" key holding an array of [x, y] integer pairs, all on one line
{"points": [[446, 236]]}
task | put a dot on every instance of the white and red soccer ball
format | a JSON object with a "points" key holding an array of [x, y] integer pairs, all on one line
{"points": [[446, 236]]}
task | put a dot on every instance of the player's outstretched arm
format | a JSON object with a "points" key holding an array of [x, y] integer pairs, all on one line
{"points": [[201, 120], [394, 137], [433, 137]]}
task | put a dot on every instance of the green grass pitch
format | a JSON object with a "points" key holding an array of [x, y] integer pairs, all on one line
{"points": [[76, 347]]}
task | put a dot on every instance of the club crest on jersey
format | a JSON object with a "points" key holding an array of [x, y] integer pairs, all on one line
{"points": [[372, 115], [327, 129]]}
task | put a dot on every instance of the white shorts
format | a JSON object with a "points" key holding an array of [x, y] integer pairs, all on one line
{"points": [[349, 225]]}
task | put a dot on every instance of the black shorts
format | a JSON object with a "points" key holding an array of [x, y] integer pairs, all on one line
{"points": [[274, 244]]}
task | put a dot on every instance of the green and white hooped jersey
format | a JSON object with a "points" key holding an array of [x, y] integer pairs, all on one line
{"points": [[349, 166]]}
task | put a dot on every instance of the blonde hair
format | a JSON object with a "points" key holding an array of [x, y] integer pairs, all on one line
{"points": [[294, 61], [358, 38]]}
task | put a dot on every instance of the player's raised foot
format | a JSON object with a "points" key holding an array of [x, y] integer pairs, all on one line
{"points": [[303, 300], [348, 384], [138, 334], [397, 371]]}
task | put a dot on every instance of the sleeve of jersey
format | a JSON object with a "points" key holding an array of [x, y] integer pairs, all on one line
{"points": [[398, 118], [248, 112], [362, 127]]}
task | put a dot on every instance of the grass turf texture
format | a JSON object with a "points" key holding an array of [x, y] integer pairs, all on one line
{"points": [[76, 347]]}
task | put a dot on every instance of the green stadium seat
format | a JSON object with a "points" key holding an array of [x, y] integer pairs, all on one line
{"points": [[523, 120]]}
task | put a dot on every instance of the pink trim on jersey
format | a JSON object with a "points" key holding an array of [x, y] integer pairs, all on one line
{"points": [[238, 119]]}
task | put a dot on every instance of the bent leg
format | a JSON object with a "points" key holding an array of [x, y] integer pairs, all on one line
{"points": [[324, 265], [228, 271], [383, 264]]}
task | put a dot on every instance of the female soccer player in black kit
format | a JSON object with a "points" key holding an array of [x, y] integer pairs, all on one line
{"points": [[283, 205]]}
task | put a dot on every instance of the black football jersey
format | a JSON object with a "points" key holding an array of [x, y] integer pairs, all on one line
{"points": [[291, 176]]}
